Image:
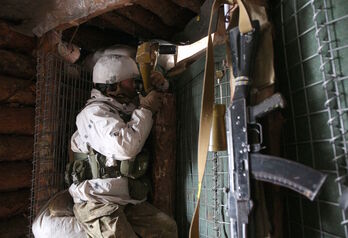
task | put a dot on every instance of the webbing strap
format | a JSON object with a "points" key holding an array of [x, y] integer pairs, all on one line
{"points": [[208, 101], [93, 163], [244, 19]]}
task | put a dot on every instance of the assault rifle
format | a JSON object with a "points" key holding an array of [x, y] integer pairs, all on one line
{"points": [[245, 159]]}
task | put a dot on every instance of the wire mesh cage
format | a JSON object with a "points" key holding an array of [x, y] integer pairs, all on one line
{"points": [[213, 219], [61, 91], [311, 34]]}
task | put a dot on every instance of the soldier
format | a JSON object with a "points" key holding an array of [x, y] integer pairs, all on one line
{"points": [[108, 174]]}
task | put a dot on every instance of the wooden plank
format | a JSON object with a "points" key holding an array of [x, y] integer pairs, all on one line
{"points": [[17, 65], [18, 121], [11, 151], [96, 35], [170, 13], [193, 5], [15, 90], [10, 39], [147, 20], [124, 24], [45, 128], [65, 19], [14, 227], [13, 203], [15, 175]]}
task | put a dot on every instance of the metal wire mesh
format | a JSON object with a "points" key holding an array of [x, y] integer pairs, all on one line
{"points": [[61, 91], [314, 82], [213, 220]]}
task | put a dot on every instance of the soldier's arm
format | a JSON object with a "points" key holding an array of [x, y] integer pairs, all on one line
{"points": [[107, 133]]}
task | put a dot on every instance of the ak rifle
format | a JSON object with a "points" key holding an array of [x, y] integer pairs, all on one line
{"points": [[244, 136]]}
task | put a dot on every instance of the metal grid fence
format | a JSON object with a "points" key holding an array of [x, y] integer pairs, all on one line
{"points": [[61, 91], [213, 219], [314, 43]]}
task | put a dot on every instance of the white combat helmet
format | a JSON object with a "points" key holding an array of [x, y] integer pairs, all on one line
{"points": [[111, 69]]}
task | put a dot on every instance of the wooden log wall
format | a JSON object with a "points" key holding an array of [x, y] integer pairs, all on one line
{"points": [[17, 112]]}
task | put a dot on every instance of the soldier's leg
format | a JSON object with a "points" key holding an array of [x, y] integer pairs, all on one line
{"points": [[103, 220], [149, 222]]}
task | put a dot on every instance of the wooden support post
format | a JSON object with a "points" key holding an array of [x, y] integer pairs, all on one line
{"points": [[44, 154], [163, 171], [272, 125]]}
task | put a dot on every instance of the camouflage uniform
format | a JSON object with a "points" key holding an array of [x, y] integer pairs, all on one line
{"points": [[111, 220]]}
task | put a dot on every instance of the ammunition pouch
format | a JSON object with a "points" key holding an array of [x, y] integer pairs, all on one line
{"points": [[135, 168], [92, 166], [78, 170], [139, 188]]}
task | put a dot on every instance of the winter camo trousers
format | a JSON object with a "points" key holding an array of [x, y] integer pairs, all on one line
{"points": [[111, 220]]}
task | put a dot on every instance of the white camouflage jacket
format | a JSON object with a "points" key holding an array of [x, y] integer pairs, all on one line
{"points": [[100, 126]]}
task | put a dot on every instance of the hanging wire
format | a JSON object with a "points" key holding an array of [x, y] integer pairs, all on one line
{"points": [[300, 21], [330, 75]]}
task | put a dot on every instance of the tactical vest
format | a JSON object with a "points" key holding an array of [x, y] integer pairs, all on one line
{"points": [[92, 166]]}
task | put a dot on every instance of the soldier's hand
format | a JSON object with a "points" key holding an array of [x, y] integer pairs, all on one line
{"points": [[152, 101], [159, 82]]}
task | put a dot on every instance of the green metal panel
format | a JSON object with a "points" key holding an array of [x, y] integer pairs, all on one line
{"points": [[188, 91], [312, 40]]}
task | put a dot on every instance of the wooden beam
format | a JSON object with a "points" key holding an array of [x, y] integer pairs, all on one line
{"points": [[45, 128], [170, 13], [13, 203], [13, 90], [147, 20], [17, 65], [164, 157], [193, 5], [10, 39], [93, 36], [10, 151], [78, 13], [15, 175], [124, 24], [14, 227], [18, 121]]}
